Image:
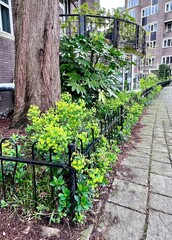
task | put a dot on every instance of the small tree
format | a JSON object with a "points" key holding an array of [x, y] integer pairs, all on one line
{"points": [[164, 71]]}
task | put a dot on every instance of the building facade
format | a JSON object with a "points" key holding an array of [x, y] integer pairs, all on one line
{"points": [[155, 16], [66, 6], [6, 52]]}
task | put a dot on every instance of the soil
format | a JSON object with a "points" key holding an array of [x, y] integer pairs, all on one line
{"points": [[16, 227]]}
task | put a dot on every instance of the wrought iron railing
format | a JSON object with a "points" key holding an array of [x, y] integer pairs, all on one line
{"points": [[121, 33], [109, 127]]}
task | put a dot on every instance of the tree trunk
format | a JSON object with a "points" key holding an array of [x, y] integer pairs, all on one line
{"points": [[37, 79]]}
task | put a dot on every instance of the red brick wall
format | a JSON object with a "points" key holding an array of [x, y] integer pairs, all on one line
{"points": [[6, 70]]}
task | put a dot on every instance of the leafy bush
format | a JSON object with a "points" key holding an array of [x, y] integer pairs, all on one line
{"points": [[60, 126], [54, 130], [150, 81], [90, 67], [164, 72]]}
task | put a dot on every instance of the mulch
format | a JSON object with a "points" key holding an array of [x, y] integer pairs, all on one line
{"points": [[16, 227]]}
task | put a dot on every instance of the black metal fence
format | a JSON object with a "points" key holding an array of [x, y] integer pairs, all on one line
{"points": [[34, 162], [109, 127], [121, 33]]}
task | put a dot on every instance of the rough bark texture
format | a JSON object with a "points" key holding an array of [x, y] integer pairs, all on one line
{"points": [[37, 56]]}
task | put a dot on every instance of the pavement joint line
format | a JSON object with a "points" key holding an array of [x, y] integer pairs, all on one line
{"points": [[160, 194], [154, 160], [134, 210], [168, 149], [137, 167], [134, 155], [126, 180], [161, 174], [156, 210]]}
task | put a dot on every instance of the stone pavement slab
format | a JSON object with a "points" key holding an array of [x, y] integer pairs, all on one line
{"points": [[140, 152], [139, 162], [159, 140], [161, 168], [161, 203], [169, 138], [160, 226], [160, 148], [132, 174], [160, 157], [129, 195], [158, 134], [120, 223], [161, 184]]}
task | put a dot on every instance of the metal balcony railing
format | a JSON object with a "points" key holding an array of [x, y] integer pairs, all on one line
{"points": [[121, 33]]}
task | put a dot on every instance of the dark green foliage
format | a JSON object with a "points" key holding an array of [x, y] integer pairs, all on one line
{"points": [[90, 67], [164, 71]]}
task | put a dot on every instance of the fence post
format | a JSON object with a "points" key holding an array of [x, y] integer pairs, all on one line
{"points": [[82, 25], [116, 32], [137, 36], [122, 116], [72, 172], [144, 43]]}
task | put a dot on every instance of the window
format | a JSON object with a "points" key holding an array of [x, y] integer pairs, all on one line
{"points": [[132, 3], [168, 6], [167, 60], [167, 43], [151, 44], [154, 2], [150, 10], [169, 27], [151, 27], [5, 16], [150, 61], [132, 13]]}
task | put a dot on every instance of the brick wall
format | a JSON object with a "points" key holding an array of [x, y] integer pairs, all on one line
{"points": [[6, 69], [6, 72]]}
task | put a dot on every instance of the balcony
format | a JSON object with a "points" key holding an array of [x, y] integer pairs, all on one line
{"points": [[121, 33]]}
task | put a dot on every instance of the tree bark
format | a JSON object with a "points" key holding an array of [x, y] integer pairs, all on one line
{"points": [[37, 78]]}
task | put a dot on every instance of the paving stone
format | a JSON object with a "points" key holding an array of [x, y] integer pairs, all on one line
{"points": [[121, 223], [145, 138], [161, 203], [170, 149], [129, 195], [160, 157], [160, 148], [158, 134], [161, 184], [159, 140], [50, 232], [140, 162], [159, 129], [132, 174], [169, 138], [160, 226], [161, 168], [85, 234], [147, 132], [140, 152], [141, 144]]}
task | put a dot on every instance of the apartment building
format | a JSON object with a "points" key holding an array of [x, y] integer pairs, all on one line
{"points": [[155, 16]]}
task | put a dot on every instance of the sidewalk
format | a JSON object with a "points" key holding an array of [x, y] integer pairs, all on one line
{"points": [[139, 206]]}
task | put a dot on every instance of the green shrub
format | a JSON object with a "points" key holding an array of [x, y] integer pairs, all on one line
{"points": [[70, 120], [150, 81], [90, 67], [164, 72]]}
